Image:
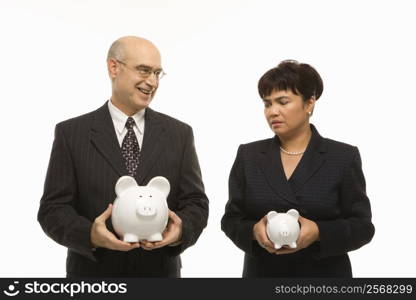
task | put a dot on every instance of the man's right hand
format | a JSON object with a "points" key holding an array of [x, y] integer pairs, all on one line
{"points": [[102, 237]]}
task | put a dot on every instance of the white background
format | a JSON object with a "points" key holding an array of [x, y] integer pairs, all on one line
{"points": [[53, 68]]}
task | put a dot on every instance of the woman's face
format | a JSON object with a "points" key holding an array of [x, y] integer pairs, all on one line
{"points": [[286, 112]]}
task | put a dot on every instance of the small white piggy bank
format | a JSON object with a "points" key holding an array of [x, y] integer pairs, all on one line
{"points": [[140, 212], [283, 228]]}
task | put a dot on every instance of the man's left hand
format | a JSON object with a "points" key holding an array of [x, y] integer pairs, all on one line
{"points": [[171, 236]]}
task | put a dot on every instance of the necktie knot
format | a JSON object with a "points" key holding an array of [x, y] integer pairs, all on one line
{"points": [[130, 123]]}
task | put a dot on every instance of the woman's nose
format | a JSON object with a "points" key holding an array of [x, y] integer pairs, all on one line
{"points": [[275, 110]]}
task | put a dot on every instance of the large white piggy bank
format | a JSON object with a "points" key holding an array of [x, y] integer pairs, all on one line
{"points": [[283, 228], [140, 212]]}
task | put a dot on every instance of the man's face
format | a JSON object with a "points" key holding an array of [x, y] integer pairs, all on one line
{"points": [[133, 86]]}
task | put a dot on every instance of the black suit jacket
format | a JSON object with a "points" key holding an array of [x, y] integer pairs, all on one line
{"points": [[85, 164], [327, 186]]}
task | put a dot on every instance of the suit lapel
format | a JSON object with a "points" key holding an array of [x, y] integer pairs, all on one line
{"points": [[104, 138], [153, 143], [272, 167], [311, 161]]}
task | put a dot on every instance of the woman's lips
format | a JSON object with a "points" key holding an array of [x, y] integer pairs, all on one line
{"points": [[276, 123]]}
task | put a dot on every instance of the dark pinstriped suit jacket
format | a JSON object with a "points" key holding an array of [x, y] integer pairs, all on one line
{"points": [[85, 164], [327, 186]]}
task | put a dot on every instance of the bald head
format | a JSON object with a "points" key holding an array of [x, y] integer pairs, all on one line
{"points": [[126, 46], [133, 65]]}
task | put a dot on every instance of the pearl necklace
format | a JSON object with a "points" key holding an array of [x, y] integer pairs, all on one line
{"points": [[292, 153]]}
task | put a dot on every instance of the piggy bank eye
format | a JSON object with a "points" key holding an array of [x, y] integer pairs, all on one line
{"points": [[150, 196], [140, 196]]}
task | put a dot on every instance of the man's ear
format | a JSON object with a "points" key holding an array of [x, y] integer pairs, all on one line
{"points": [[112, 67]]}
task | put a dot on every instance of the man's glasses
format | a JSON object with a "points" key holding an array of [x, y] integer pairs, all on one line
{"points": [[144, 71]]}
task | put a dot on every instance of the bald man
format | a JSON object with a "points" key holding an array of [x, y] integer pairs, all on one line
{"points": [[123, 137]]}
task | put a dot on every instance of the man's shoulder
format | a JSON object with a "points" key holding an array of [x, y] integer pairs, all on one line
{"points": [[169, 121], [82, 121]]}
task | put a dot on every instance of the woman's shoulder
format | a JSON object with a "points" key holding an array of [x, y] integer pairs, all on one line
{"points": [[334, 144], [340, 151], [329, 144], [256, 145], [338, 146], [248, 151]]}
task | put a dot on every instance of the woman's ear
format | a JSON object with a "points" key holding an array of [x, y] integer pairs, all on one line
{"points": [[310, 105]]}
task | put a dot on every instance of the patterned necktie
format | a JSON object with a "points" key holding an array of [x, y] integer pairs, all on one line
{"points": [[130, 149]]}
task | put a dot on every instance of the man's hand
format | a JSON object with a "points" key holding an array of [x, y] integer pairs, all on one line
{"points": [[171, 236], [309, 233], [259, 234], [102, 237]]}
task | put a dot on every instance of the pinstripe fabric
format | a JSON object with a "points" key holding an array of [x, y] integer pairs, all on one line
{"points": [[85, 164], [327, 186]]}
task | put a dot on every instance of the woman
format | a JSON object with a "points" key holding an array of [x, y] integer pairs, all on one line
{"points": [[319, 177]]}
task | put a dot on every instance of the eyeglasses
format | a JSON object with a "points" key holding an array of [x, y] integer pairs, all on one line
{"points": [[144, 71]]}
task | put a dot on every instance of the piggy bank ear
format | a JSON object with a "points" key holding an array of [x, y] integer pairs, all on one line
{"points": [[293, 213], [124, 183], [161, 184], [271, 215]]}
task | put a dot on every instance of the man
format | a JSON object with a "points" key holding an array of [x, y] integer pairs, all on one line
{"points": [[123, 137]]}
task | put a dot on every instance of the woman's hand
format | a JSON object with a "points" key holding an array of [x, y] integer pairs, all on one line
{"points": [[260, 235], [309, 233]]}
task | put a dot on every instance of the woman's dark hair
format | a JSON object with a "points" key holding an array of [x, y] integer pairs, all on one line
{"points": [[301, 79]]}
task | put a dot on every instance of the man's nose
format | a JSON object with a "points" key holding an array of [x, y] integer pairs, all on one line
{"points": [[152, 80]]}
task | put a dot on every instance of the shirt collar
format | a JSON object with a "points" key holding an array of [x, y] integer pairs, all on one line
{"points": [[119, 118]]}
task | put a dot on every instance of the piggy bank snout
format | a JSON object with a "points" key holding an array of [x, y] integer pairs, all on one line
{"points": [[146, 210]]}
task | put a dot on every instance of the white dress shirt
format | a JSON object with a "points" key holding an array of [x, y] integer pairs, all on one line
{"points": [[119, 120]]}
